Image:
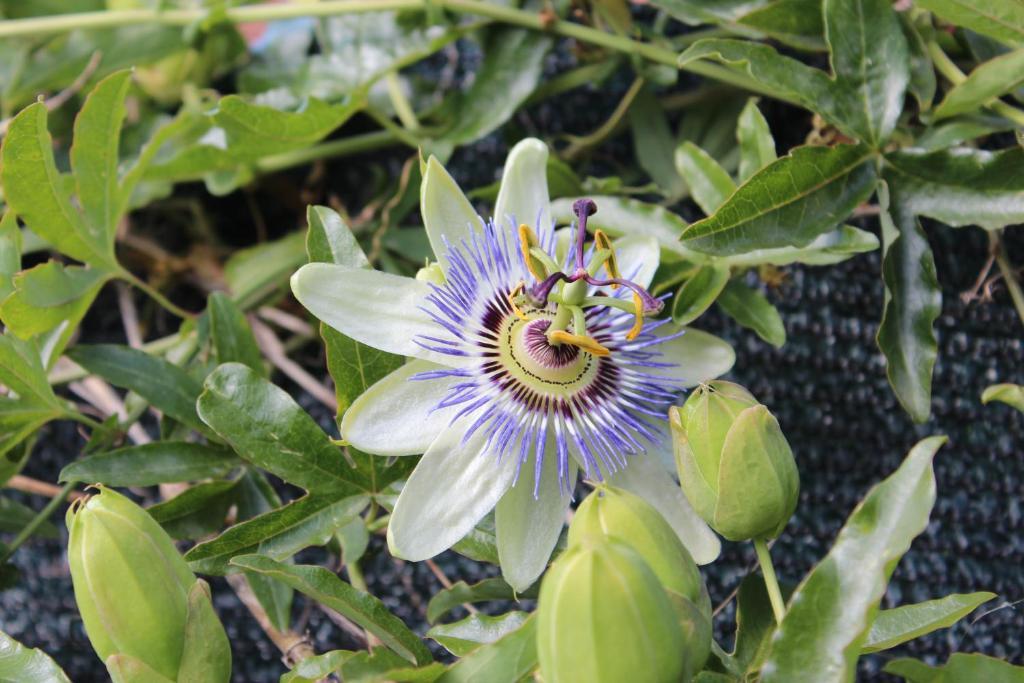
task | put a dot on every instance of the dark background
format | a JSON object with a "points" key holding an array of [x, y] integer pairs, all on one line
{"points": [[827, 386]]}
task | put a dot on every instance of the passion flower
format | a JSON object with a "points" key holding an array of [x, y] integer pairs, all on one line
{"points": [[147, 616], [529, 364]]}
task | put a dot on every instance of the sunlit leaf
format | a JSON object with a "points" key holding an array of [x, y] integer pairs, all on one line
{"points": [[959, 667], [901, 624], [1010, 394], [462, 637], [19, 663], [506, 660]]}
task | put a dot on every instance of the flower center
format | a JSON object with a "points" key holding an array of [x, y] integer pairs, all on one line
{"points": [[548, 369]]}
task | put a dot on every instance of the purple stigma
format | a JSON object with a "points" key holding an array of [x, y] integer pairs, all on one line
{"points": [[582, 208]]}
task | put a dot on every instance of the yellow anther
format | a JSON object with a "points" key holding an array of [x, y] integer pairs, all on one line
{"points": [[638, 322], [516, 291], [528, 240], [588, 344], [602, 241]]}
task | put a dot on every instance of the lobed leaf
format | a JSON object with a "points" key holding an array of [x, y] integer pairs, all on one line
{"points": [[831, 611]]}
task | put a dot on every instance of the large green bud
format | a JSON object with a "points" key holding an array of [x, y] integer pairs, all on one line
{"points": [[735, 465], [603, 617], [147, 616]]}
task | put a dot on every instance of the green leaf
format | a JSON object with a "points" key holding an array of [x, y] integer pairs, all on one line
{"points": [[14, 516], [698, 293], [962, 186], [895, 626], [206, 652], [256, 272], [797, 23], [10, 252], [913, 301], [384, 666], [832, 247], [164, 385], [1010, 394], [154, 463], [511, 70], [789, 202], [653, 143], [755, 623], [94, 156], [35, 189], [922, 83], [1000, 19], [709, 183], [960, 667], [47, 295], [752, 310], [330, 240], [19, 663], [462, 592], [757, 146], [233, 340], [706, 11], [987, 82], [326, 588], [870, 60], [265, 426], [831, 611], [255, 130], [317, 667], [196, 512], [279, 534], [507, 660], [22, 372], [462, 637]]}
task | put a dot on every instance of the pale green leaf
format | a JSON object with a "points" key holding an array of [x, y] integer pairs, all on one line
{"points": [[751, 309], [1010, 394], [709, 183], [960, 668], [901, 624], [1000, 19], [990, 80], [19, 663], [462, 637], [757, 146]]}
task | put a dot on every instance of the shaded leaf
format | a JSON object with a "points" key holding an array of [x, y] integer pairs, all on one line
{"points": [[232, 337], [364, 609], [895, 626], [789, 202], [709, 183], [653, 143], [462, 637], [255, 130], [831, 611], [47, 295], [959, 667], [757, 146], [913, 301], [154, 463], [19, 663], [750, 308], [1010, 394], [196, 512], [987, 82], [922, 83], [14, 516], [755, 623], [1000, 19], [256, 272], [506, 660], [698, 293], [797, 23], [483, 591]]}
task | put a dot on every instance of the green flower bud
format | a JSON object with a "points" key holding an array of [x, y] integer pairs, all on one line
{"points": [[613, 512], [432, 273], [735, 465], [603, 616], [144, 611]]}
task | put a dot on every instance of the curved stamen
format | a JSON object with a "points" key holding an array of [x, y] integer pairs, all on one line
{"points": [[652, 306]]}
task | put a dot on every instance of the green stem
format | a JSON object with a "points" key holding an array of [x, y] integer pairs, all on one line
{"points": [[63, 23], [355, 576], [1006, 268], [578, 143], [335, 148], [155, 294], [36, 521], [764, 558], [954, 75], [400, 102], [83, 419]]}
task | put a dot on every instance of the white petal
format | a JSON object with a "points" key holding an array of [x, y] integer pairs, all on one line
{"points": [[646, 477], [638, 258], [451, 489], [446, 211], [528, 528], [698, 356], [396, 415], [378, 309], [523, 196]]}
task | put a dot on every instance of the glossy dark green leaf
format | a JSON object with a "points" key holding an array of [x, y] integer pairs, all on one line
{"points": [[256, 130], [962, 186], [653, 142], [710, 185], [164, 385], [757, 146], [1000, 19], [14, 516], [280, 533], [960, 668], [265, 426], [922, 83], [154, 463], [36, 190], [789, 202], [1010, 394], [870, 63], [507, 660], [797, 23], [831, 611], [462, 637], [232, 337], [698, 293], [901, 624], [94, 156], [913, 301], [987, 82], [19, 663], [47, 295], [512, 67], [752, 310], [196, 512], [483, 591], [326, 588]]}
